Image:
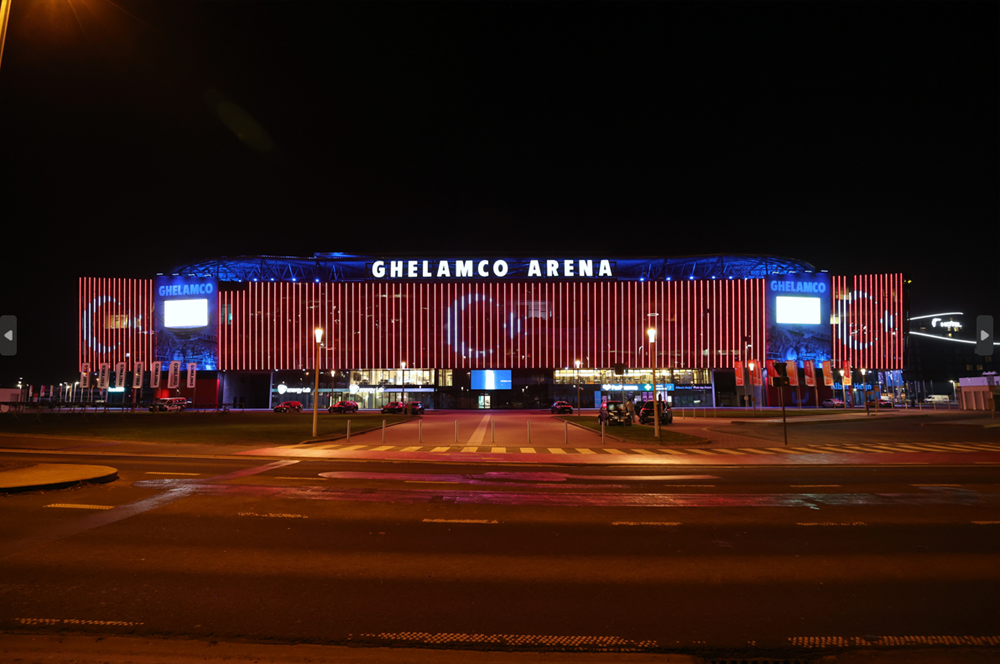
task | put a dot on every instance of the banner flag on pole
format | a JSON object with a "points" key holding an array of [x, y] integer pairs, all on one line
{"points": [[738, 365], [85, 375], [120, 376], [827, 373], [756, 375], [174, 375], [847, 373], [810, 370], [192, 374], [155, 373], [104, 375], [792, 370], [137, 375]]}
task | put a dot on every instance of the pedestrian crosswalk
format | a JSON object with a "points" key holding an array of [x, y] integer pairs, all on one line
{"points": [[863, 448]]}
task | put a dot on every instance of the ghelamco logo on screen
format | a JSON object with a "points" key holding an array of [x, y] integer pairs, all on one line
{"points": [[811, 287], [186, 289]]}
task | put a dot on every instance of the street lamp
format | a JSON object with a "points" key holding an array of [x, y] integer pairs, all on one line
{"points": [[753, 386], [406, 410], [651, 332], [578, 388], [319, 340], [864, 388]]}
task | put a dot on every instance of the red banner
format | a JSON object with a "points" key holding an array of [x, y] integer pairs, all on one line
{"points": [[738, 365], [793, 373], [847, 373], [756, 377], [810, 370]]}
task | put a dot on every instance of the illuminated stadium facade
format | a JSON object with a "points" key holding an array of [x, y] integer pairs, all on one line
{"points": [[488, 331]]}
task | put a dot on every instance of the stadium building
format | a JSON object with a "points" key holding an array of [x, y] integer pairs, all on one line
{"points": [[490, 332]]}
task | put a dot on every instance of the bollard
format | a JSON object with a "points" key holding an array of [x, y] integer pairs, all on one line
{"points": [[456, 432], [420, 432], [383, 432], [493, 431], [348, 431], [602, 432], [529, 432], [565, 433]]}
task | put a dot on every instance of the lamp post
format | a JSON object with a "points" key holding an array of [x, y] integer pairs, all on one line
{"points": [[319, 340], [651, 332], [406, 410], [578, 388], [753, 398], [864, 388]]}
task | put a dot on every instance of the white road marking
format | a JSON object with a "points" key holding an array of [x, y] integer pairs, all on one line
{"points": [[82, 507], [460, 521], [151, 472]]}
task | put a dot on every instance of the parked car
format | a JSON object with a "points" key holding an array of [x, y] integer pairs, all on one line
{"points": [[414, 407], [344, 407], [393, 407], [832, 403], [168, 404], [561, 407], [881, 403], [613, 412], [646, 413], [288, 407]]}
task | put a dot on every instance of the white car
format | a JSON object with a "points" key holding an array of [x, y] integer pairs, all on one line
{"points": [[832, 403], [168, 404]]}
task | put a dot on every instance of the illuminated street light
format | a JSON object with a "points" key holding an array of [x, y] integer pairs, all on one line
{"points": [[578, 388], [406, 410], [319, 340], [651, 332]]}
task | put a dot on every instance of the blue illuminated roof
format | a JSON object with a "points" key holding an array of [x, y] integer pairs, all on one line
{"points": [[324, 267]]}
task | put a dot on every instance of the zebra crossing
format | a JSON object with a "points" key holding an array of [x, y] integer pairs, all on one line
{"points": [[863, 448]]}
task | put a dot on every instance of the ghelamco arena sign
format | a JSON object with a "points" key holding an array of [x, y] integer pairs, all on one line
{"points": [[480, 268]]}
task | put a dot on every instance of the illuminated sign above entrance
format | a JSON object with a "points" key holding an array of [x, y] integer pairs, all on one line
{"points": [[563, 268]]}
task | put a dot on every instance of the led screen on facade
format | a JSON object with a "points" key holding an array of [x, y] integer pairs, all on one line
{"points": [[186, 315], [491, 379], [798, 317]]}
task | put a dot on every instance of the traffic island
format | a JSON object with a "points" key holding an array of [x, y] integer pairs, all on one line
{"points": [[50, 476]]}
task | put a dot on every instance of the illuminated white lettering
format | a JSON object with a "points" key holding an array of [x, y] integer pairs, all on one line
{"points": [[587, 268], [411, 269], [443, 269], [500, 268], [395, 269], [605, 269], [482, 269], [426, 271], [568, 268], [552, 268], [463, 269], [378, 269], [534, 269]]}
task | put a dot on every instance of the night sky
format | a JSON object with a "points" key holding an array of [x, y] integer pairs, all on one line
{"points": [[137, 136]]}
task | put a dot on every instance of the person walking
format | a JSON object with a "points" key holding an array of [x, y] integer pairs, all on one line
{"points": [[630, 409]]}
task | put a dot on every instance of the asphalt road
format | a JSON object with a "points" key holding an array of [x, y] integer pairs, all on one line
{"points": [[713, 559]]}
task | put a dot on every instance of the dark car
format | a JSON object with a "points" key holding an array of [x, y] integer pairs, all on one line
{"points": [[881, 403], [414, 408], [646, 413], [614, 412], [344, 407], [562, 407], [288, 406], [393, 407]]}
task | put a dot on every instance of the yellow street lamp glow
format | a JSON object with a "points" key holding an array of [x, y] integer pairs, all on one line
{"points": [[319, 335], [651, 332]]}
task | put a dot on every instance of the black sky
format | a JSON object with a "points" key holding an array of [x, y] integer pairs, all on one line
{"points": [[861, 137]]}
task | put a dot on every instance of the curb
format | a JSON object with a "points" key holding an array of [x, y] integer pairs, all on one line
{"points": [[95, 475]]}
